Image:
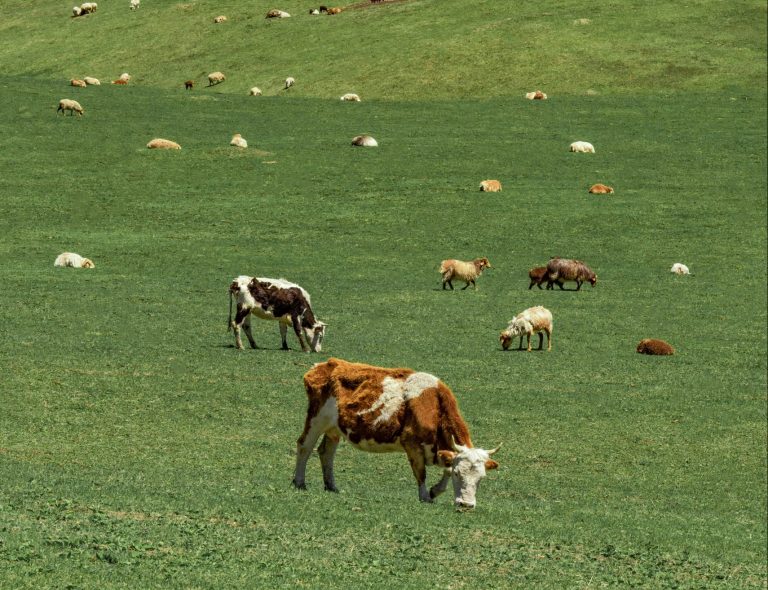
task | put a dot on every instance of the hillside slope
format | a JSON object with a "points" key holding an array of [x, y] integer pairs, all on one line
{"points": [[399, 50]]}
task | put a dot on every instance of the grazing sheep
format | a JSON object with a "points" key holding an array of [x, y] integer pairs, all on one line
{"points": [[537, 95], [464, 271], [323, 9], [274, 13], [88, 7], [527, 323], [350, 97], [601, 189], [314, 11], [289, 81], [364, 141], [490, 186], [220, 19], [135, 4], [163, 144], [335, 10], [215, 78], [255, 91], [92, 81], [77, 83], [680, 269], [655, 347], [583, 147], [76, 11], [189, 84], [120, 82], [560, 270], [65, 104], [73, 260], [125, 76], [238, 141], [538, 275]]}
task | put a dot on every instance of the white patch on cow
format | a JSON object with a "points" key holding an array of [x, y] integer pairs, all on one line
{"points": [[327, 417], [398, 391]]}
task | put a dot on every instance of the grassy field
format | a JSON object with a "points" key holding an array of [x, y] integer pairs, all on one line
{"points": [[139, 449]]}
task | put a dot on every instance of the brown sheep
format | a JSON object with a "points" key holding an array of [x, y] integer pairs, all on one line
{"points": [[655, 347], [490, 186], [601, 189], [120, 82], [77, 83], [189, 84], [335, 10], [538, 275], [560, 270], [465, 271]]}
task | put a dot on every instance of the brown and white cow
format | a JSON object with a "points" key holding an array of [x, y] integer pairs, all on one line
{"points": [[383, 410], [274, 299]]}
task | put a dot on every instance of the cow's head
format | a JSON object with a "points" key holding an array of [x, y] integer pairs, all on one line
{"points": [[468, 466], [314, 335]]}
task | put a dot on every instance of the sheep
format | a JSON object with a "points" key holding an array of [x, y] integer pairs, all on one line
{"points": [[582, 21], [335, 10], [65, 104], [680, 269], [314, 11], [364, 141], [120, 82], [536, 95], [538, 275], [601, 189], [464, 271], [255, 91], [583, 147], [527, 323], [215, 78], [77, 83], [220, 19], [350, 97], [76, 11], [135, 4], [189, 85], [238, 141], [560, 270], [73, 260], [274, 13], [92, 81], [655, 347], [490, 186], [163, 144], [125, 76], [88, 7], [289, 81]]}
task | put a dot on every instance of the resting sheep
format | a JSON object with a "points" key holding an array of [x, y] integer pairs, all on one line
{"points": [[350, 97], [655, 347], [527, 323], [583, 147], [65, 104], [601, 189], [538, 275], [335, 10], [76, 11], [289, 81], [560, 270], [88, 7], [125, 76], [215, 78], [464, 271], [77, 83], [120, 82], [364, 141], [92, 81], [163, 144], [680, 269], [220, 19], [274, 13], [490, 186], [255, 91], [73, 260], [537, 95], [238, 141], [314, 11], [135, 4]]}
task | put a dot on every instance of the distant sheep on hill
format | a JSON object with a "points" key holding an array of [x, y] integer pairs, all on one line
{"points": [[335, 10], [65, 104], [601, 189], [274, 13], [289, 81], [655, 347], [135, 4], [215, 78], [680, 269], [583, 147], [364, 141], [350, 97], [120, 82], [77, 83], [92, 81], [189, 85], [125, 76], [163, 144], [490, 186], [238, 141], [220, 19], [536, 95], [255, 91], [73, 260]]}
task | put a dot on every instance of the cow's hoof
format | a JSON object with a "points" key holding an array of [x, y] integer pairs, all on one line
{"points": [[299, 486], [333, 489]]}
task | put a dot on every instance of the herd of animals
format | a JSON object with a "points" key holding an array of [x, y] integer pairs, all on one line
{"points": [[380, 409]]}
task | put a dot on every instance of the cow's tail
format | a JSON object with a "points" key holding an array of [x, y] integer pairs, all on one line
{"points": [[229, 321]]}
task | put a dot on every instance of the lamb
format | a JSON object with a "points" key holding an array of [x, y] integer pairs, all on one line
{"points": [[135, 4], [536, 95], [77, 83], [531, 321], [274, 13], [655, 347], [255, 91], [215, 78], [490, 186], [538, 275], [560, 270], [189, 85], [65, 104], [582, 146], [364, 141], [464, 271], [92, 81], [163, 144], [289, 81], [680, 269], [73, 260], [220, 19], [238, 141], [350, 97], [601, 189]]}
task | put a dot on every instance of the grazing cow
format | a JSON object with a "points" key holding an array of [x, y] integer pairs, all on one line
{"points": [[385, 410], [275, 299]]}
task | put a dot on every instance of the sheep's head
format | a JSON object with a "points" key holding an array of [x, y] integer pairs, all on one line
{"points": [[482, 263], [88, 263], [593, 280], [506, 339]]}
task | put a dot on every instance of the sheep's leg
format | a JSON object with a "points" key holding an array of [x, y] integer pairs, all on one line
{"points": [[284, 334], [297, 329], [560, 284], [541, 340], [248, 333], [520, 346], [468, 283], [327, 451], [549, 340], [529, 341], [532, 284], [578, 284]]}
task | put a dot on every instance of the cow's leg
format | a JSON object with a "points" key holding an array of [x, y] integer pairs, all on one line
{"points": [[248, 333], [296, 320], [441, 485], [418, 464], [283, 334], [313, 428], [241, 317], [327, 451]]}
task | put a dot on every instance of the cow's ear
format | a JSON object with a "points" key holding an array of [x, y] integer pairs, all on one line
{"points": [[445, 458], [491, 464]]}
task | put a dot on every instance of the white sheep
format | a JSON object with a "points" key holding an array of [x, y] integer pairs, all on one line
{"points": [[77, 83], [255, 91], [163, 144], [125, 77], [464, 271], [92, 81], [88, 7], [135, 4], [680, 269], [73, 260], [531, 321], [220, 19], [238, 141], [76, 11], [274, 13], [314, 11], [66, 104], [215, 78], [289, 81], [536, 95], [364, 141], [583, 147], [350, 97]]}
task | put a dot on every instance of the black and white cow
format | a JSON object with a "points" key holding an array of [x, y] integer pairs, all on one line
{"points": [[274, 299]]}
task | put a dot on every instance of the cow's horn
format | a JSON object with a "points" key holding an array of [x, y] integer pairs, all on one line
{"points": [[457, 448], [492, 451]]}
